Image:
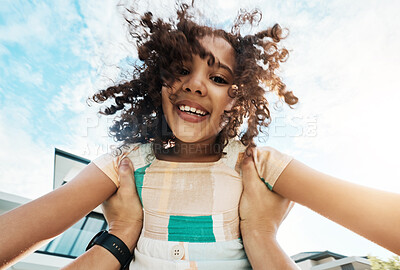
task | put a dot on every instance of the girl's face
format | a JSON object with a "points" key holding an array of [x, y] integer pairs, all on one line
{"points": [[202, 94]]}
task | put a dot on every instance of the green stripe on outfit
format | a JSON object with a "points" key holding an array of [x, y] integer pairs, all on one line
{"points": [[191, 229], [266, 183], [139, 176]]}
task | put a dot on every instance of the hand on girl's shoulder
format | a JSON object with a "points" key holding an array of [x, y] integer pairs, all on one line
{"points": [[269, 163], [109, 163]]}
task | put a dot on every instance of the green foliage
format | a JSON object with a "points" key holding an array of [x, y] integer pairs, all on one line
{"points": [[378, 264]]}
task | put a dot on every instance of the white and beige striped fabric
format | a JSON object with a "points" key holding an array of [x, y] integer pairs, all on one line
{"points": [[191, 216]]}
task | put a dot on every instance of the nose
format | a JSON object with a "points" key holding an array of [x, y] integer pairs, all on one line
{"points": [[195, 84]]}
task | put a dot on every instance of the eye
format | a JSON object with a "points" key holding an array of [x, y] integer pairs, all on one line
{"points": [[219, 80], [184, 72]]}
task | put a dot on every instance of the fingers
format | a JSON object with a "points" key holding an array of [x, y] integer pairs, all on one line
{"points": [[249, 173], [125, 166], [126, 170]]}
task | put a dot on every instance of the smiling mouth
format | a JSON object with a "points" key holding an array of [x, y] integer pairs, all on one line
{"points": [[191, 110], [191, 116]]}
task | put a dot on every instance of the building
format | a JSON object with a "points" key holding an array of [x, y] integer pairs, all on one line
{"points": [[328, 260]]}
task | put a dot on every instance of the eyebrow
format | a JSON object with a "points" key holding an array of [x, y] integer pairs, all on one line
{"points": [[226, 68]]}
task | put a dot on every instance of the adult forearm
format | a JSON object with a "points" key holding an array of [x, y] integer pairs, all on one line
{"points": [[24, 229], [369, 212], [95, 258], [28, 227], [100, 258], [264, 252]]}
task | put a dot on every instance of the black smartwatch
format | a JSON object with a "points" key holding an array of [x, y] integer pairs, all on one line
{"points": [[113, 244]]}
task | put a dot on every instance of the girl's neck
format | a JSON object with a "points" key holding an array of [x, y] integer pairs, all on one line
{"points": [[206, 151]]}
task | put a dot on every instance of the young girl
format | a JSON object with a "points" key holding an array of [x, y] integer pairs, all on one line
{"points": [[179, 121]]}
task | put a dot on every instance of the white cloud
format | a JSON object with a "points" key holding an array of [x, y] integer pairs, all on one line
{"points": [[103, 43], [28, 23], [348, 76], [87, 130], [72, 97], [26, 165], [26, 74], [30, 26], [3, 50]]}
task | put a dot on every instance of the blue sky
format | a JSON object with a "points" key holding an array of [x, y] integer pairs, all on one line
{"points": [[343, 65]]}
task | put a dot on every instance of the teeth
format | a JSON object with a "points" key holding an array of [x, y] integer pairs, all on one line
{"points": [[191, 109]]}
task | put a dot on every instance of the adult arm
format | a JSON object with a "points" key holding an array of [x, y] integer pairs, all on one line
{"points": [[124, 215], [261, 213], [27, 227], [369, 212]]}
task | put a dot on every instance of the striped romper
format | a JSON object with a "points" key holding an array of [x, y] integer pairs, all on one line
{"points": [[191, 218]]}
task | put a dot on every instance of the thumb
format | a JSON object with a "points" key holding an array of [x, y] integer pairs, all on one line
{"points": [[126, 172], [250, 176]]}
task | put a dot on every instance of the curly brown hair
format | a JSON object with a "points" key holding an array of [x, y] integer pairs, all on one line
{"points": [[163, 46]]}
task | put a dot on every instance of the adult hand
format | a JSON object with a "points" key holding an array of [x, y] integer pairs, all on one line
{"points": [[261, 212], [123, 210], [124, 215], [260, 209]]}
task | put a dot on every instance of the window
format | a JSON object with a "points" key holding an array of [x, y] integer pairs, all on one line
{"points": [[72, 243], [348, 266]]}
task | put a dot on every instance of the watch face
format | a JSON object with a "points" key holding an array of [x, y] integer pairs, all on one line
{"points": [[92, 242]]}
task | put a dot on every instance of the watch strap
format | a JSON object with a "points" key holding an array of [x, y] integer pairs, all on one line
{"points": [[113, 244]]}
